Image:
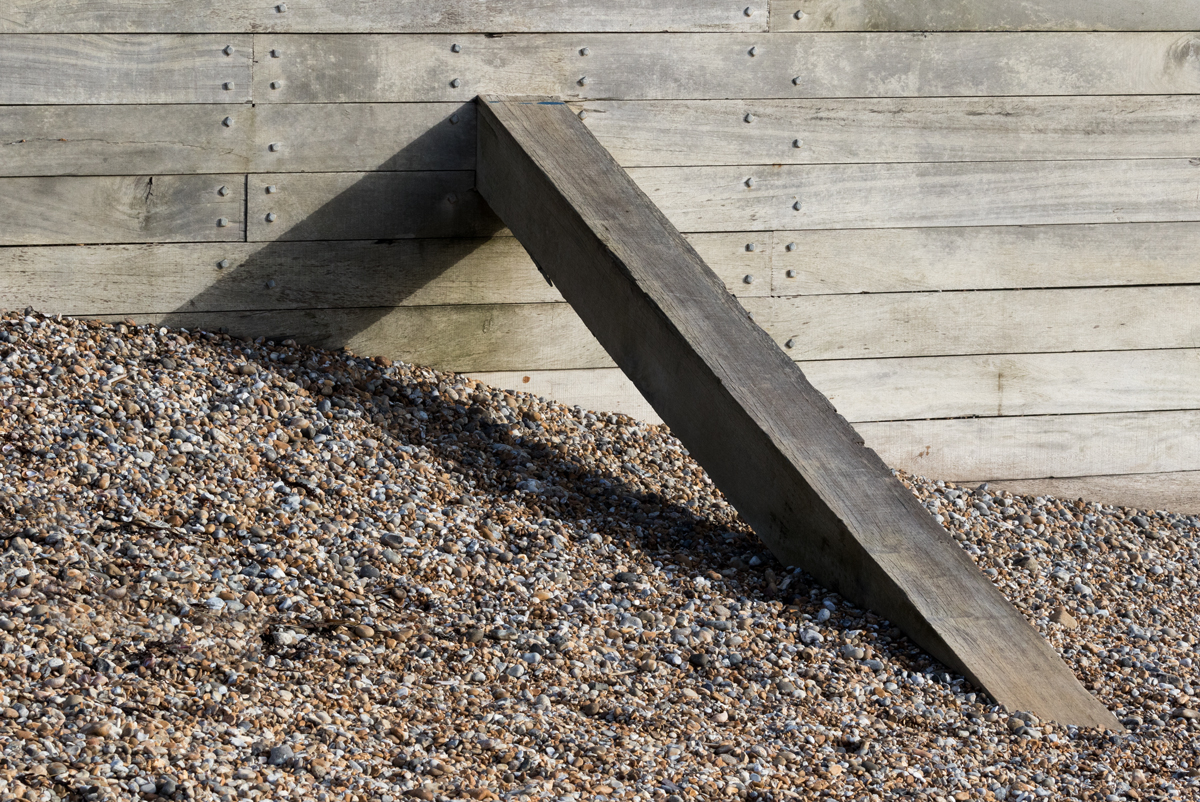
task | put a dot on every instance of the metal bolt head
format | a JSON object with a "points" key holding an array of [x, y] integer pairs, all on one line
{"points": [[796, 205], [222, 222], [455, 48], [585, 51], [272, 217], [276, 84], [456, 83], [270, 284], [749, 182], [749, 117], [224, 263], [272, 189], [454, 119], [790, 344], [747, 279], [799, 14], [750, 246], [223, 191], [584, 81], [754, 51], [796, 143], [228, 50], [749, 12], [452, 198], [281, 8], [791, 273], [227, 122], [582, 114], [276, 53], [796, 81], [791, 246], [275, 147], [228, 85]]}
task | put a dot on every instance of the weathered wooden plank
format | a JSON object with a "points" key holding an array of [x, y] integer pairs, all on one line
{"points": [[1041, 446], [997, 15], [877, 130], [124, 140], [390, 68], [363, 16], [95, 209], [985, 322], [383, 205], [1177, 492], [460, 338], [918, 195], [983, 258], [935, 387], [795, 470], [325, 206], [601, 390], [88, 68], [119, 279], [327, 137]]}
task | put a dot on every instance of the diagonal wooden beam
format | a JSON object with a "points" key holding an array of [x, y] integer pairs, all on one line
{"points": [[789, 463]]}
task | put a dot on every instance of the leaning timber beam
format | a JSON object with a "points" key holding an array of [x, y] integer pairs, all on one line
{"points": [[791, 465]]}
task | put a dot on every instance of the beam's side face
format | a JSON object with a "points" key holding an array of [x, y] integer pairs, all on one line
{"points": [[776, 447]]}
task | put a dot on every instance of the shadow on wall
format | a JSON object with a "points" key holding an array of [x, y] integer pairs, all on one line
{"points": [[328, 277]]}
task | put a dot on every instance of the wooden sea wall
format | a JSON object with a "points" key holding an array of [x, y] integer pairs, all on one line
{"points": [[975, 225]]}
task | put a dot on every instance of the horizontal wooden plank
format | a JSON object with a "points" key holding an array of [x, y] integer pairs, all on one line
{"points": [[108, 209], [996, 15], [934, 387], [918, 195], [324, 206], [1177, 492], [985, 257], [363, 16], [458, 338], [382, 68], [1041, 446], [599, 390], [125, 140], [119, 279], [88, 68], [387, 205], [984, 322], [875, 130]]}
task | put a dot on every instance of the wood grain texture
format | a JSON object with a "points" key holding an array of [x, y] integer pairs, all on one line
{"points": [[920, 195], [877, 130], [116, 279], [362, 16], [172, 208], [124, 140], [983, 258], [414, 68], [934, 387], [1176, 492], [997, 15], [90, 68], [793, 468], [464, 338], [1041, 446], [325, 206], [985, 322]]}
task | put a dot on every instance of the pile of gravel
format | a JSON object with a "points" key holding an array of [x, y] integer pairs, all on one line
{"points": [[249, 570]]}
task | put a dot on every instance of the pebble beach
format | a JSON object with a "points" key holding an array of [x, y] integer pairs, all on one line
{"points": [[239, 569]]}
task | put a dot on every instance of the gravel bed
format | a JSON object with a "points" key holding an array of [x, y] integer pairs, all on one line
{"points": [[249, 570]]}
